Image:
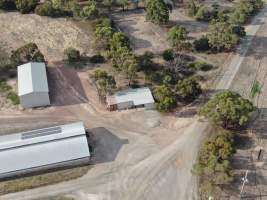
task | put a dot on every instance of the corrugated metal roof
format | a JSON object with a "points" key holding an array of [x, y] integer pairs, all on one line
{"points": [[32, 78], [68, 142], [138, 96]]}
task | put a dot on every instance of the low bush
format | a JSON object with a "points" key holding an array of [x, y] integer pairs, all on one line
{"points": [[168, 55], [201, 44], [203, 66], [47, 9], [26, 6], [13, 97], [72, 54]]}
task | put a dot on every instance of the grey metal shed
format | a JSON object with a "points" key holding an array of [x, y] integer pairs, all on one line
{"points": [[41, 149], [32, 85]]}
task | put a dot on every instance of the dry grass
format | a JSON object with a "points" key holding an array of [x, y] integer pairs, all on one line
{"points": [[30, 182]]}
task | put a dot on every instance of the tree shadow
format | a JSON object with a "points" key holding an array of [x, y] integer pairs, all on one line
{"points": [[106, 145], [65, 87]]}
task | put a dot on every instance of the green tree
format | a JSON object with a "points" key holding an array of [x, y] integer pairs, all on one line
{"points": [[228, 109], [177, 36], [73, 55], [188, 89], [25, 54], [119, 40], [201, 44], [165, 98], [104, 32], [89, 11], [104, 82], [221, 36], [26, 6], [157, 11], [214, 157]]}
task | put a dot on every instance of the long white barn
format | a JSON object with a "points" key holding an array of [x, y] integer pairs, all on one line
{"points": [[43, 149]]}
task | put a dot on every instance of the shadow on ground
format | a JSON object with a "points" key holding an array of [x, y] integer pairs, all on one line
{"points": [[107, 145]]}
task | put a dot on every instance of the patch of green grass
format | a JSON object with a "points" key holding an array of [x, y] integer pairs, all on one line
{"points": [[4, 87], [13, 97], [30, 182]]}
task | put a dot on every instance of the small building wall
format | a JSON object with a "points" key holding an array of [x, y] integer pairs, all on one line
{"points": [[125, 105], [149, 106], [35, 99]]}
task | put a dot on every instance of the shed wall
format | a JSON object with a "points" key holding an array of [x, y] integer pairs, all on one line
{"points": [[125, 105], [149, 106], [35, 99]]}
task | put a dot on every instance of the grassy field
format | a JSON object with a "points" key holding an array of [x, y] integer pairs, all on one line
{"points": [[42, 180]]}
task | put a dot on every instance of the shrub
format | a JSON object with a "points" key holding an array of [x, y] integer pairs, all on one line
{"points": [[7, 4], [13, 97], [192, 8], [165, 98], [47, 9], [89, 11], [145, 61], [204, 14], [157, 11], [177, 35], [203, 66], [25, 54], [239, 30], [168, 55], [26, 6], [73, 55], [201, 44], [188, 89]]}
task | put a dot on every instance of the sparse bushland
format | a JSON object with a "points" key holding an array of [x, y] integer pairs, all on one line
{"points": [[157, 11], [48, 9], [228, 110], [25, 54], [89, 11], [214, 163], [244, 9]]}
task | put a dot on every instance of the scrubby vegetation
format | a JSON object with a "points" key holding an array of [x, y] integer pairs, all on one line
{"points": [[214, 162], [72, 54], [25, 54], [26, 6], [157, 11]]}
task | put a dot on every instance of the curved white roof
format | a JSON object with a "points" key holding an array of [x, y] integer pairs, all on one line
{"points": [[32, 78], [42, 147]]}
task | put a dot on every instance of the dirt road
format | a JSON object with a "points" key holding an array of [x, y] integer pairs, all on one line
{"points": [[130, 162]]}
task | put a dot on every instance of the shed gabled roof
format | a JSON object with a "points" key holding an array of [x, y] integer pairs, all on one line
{"points": [[138, 96], [42, 147], [32, 78]]}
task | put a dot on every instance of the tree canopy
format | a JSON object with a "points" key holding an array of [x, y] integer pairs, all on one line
{"points": [[221, 36], [165, 98], [157, 11], [177, 36], [228, 109]]}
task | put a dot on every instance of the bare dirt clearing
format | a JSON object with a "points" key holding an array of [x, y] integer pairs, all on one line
{"points": [[51, 35]]}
